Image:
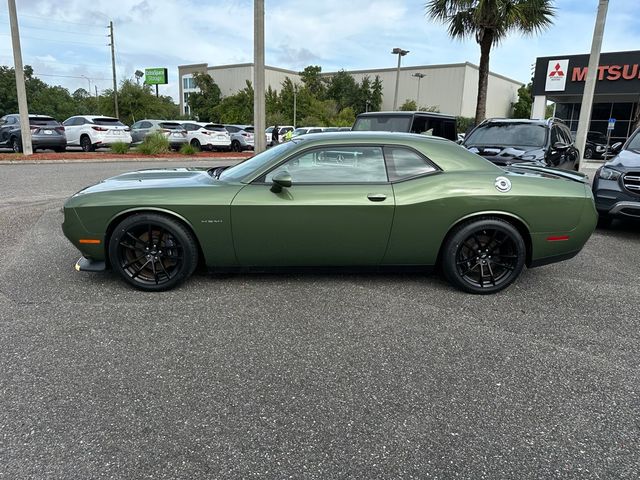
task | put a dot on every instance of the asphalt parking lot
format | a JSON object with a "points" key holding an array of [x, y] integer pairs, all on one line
{"points": [[307, 375]]}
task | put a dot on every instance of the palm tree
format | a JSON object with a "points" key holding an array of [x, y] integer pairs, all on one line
{"points": [[490, 21]]}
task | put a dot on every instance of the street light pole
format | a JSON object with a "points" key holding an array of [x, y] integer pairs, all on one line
{"points": [[401, 53], [419, 76], [295, 103], [584, 119], [88, 80], [25, 128], [258, 77]]}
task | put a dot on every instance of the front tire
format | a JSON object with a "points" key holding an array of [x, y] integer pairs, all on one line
{"points": [[153, 252], [483, 256], [195, 143], [235, 146], [588, 153]]}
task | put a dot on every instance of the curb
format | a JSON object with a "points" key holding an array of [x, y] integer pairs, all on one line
{"points": [[122, 160]]}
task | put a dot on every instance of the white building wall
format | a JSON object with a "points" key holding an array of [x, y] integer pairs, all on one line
{"points": [[441, 87], [232, 79], [502, 93]]}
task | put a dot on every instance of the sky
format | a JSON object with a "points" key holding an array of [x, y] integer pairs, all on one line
{"points": [[65, 41]]}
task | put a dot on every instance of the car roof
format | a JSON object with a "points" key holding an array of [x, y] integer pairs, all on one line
{"points": [[402, 113]]}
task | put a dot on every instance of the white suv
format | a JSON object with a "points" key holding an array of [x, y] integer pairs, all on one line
{"points": [[93, 131], [207, 136]]}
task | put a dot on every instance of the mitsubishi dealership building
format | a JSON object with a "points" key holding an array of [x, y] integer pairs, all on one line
{"points": [[561, 79]]}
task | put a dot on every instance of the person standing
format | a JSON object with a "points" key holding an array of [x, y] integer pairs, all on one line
{"points": [[274, 135]]}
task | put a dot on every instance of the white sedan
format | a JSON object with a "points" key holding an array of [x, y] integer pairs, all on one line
{"points": [[207, 136]]}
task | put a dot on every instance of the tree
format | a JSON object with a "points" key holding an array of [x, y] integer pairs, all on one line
{"points": [[376, 95], [490, 21], [136, 102], [409, 106], [522, 108], [237, 108], [311, 79], [202, 104]]}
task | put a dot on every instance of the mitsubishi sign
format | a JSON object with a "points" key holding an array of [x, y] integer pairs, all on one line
{"points": [[618, 73], [556, 75]]}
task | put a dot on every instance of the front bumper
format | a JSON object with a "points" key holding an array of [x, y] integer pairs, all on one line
{"points": [[88, 265], [613, 199]]}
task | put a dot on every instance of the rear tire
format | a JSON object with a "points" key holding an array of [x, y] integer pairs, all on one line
{"points": [[195, 143], [16, 145], [153, 252], [235, 146], [85, 143], [483, 256]]}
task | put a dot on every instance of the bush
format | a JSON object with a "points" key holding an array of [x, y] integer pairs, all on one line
{"points": [[154, 144], [464, 124], [120, 148], [188, 149]]}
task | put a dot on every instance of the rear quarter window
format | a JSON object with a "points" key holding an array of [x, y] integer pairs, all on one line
{"points": [[403, 163]]}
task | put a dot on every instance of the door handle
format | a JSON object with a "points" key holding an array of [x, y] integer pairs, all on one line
{"points": [[377, 197]]}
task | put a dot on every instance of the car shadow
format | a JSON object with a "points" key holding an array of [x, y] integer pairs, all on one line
{"points": [[624, 227]]}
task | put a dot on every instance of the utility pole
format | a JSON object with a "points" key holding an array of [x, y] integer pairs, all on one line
{"points": [[401, 53], [258, 77], [590, 84], [113, 69], [25, 128]]}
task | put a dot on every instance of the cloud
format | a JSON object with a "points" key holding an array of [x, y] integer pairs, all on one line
{"points": [[335, 34]]}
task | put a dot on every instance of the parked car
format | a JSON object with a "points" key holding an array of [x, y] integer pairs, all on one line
{"points": [[335, 199], [46, 133], [175, 133], [506, 141], [207, 136], [304, 130], [616, 186], [241, 137], [94, 131], [281, 132], [426, 123]]}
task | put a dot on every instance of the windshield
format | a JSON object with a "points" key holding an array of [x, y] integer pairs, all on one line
{"points": [[634, 144], [215, 128], [252, 164], [507, 135], [269, 130], [108, 122], [383, 123]]}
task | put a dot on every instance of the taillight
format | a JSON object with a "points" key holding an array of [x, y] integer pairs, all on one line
{"points": [[60, 129], [34, 129], [100, 129]]}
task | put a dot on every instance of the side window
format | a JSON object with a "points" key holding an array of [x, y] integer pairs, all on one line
{"points": [[231, 129], [68, 122], [404, 163], [189, 127], [145, 125], [335, 164], [566, 134], [135, 125]]}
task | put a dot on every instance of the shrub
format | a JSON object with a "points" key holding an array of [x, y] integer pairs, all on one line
{"points": [[120, 148], [154, 144], [188, 149]]}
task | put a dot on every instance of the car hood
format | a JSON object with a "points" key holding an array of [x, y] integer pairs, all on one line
{"points": [[626, 159], [507, 155], [154, 178]]}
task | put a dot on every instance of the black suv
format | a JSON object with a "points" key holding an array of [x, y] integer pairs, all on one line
{"points": [[46, 132], [616, 186], [426, 123], [508, 141]]}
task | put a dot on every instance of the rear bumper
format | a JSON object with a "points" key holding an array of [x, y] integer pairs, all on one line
{"points": [[44, 141], [111, 139]]}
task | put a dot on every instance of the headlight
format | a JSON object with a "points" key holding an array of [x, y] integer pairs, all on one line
{"points": [[600, 148], [609, 174]]}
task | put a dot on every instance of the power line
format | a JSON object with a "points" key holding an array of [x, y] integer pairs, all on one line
{"points": [[55, 39], [56, 62], [48, 19], [59, 31], [67, 76]]}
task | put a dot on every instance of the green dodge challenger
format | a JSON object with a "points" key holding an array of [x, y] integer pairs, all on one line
{"points": [[328, 200]]}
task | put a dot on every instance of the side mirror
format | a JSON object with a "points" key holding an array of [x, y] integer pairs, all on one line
{"points": [[560, 146], [616, 147], [280, 181]]}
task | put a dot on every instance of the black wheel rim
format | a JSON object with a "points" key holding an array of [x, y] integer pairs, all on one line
{"points": [[150, 254], [86, 144], [195, 144], [16, 146], [588, 153], [487, 258]]}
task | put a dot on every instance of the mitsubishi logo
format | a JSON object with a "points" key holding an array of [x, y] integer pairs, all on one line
{"points": [[557, 70]]}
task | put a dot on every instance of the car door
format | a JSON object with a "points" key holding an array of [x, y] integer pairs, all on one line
{"points": [[5, 124], [338, 211], [72, 128]]}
